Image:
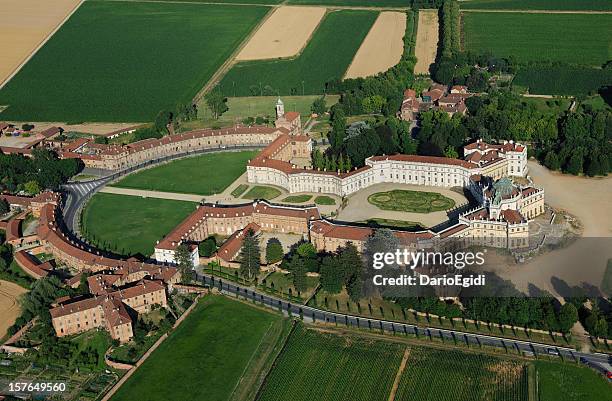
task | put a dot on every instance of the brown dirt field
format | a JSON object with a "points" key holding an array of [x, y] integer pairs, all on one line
{"points": [[382, 48], [9, 308], [284, 34], [89, 128], [25, 25], [426, 41]]}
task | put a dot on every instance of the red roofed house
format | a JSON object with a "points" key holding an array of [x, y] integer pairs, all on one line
{"points": [[289, 120]]}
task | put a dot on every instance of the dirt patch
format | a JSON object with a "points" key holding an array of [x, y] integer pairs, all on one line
{"points": [[9, 307], [88, 128], [426, 41], [382, 48], [284, 34], [25, 25]]}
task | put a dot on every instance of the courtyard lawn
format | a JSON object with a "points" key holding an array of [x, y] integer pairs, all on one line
{"points": [[326, 57], [126, 61], [297, 198], [571, 38], [239, 190], [325, 200], [207, 174], [377, 222], [262, 192], [206, 356], [411, 201], [129, 225], [570, 382], [240, 108]]}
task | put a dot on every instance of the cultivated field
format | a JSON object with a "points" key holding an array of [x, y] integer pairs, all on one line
{"points": [[355, 3], [460, 376], [26, 24], [205, 358], [562, 80], [599, 5], [570, 382], [426, 41], [284, 34], [572, 38], [411, 201], [207, 174], [125, 61], [130, 225], [320, 366], [382, 48], [326, 57], [9, 306]]}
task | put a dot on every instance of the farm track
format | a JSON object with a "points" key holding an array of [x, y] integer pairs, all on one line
{"points": [[480, 10]]}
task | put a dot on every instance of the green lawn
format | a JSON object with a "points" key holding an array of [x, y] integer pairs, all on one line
{"points": [[207, 174], [571, 38], [562, 80], [411, 201], [283, 282], [321, 366], [206, 355], [326, 57], [264, 106], [239, 190], [570, 382], [125, 61], [297, 198], [325, 200], [131, 224], [262, 192], [537, 4]]}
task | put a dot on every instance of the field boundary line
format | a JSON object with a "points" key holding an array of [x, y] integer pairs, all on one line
{"points": [[40, 45], [482, 10], [398, 375], [231, 60]]}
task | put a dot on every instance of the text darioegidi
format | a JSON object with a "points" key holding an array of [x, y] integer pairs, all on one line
{"points": [[421, 259]]}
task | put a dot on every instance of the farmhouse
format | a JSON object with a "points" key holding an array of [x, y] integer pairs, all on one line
{"points": [[436, 98]]}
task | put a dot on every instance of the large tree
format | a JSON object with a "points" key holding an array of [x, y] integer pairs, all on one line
{"points": [[298, 273], [352, 267], [250, 255], [274, 250], [217, 103], [4, 206], [182, 256], [208, 247], [331, 275]]}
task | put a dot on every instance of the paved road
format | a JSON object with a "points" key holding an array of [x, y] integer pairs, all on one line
{"points": [[313, 315]]}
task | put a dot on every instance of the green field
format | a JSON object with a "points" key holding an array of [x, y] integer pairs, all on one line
{"points": [[130, 224], [263, 106], [377, 222], [570, 382], [325, 200], [262, 192], [326, 57], [461, 376], [320, 366], [355, 3], [297, 198], [562, 80], [207, 174], [411, 201], [571, 38], [599, 5], [206, 356], [125, 61]]}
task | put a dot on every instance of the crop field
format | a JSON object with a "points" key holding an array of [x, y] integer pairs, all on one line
{"points": [[129, 224], [206, 356], [570, 382], [583, 5], [445, 375], [207, 174], [411, 201], [320, 366], [355, 3], [126, 61], [326, 57], [562, 80], [572, 38]]}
